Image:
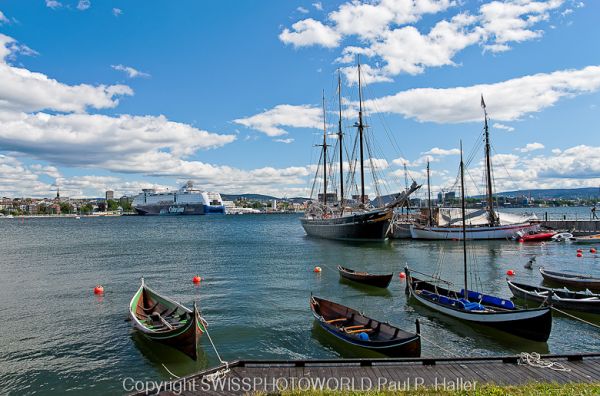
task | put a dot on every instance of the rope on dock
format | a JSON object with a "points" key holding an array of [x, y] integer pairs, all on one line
{"points": [[535, 360], [575, 317], [219, 373]]}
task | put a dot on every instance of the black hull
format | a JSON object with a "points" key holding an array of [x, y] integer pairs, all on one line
{"points": [[578, 281], [532, 324], [382, 281], [370, 226], [567, 300]]}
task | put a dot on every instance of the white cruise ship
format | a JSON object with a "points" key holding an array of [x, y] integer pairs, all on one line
{"points": [[185, 201]]}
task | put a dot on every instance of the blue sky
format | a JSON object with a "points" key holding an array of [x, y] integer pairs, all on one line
{"points": [[121, 95]]}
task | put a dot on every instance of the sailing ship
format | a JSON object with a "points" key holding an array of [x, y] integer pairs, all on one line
{"points": [[474, 307], [446, 223], [331, 220]]}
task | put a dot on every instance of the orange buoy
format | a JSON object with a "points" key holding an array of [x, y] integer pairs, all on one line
{"points": [[317, 269], [593, 250], [521, 240], [402, 275], [196, 279], [98, 289], [579, 254], [510, 272]]}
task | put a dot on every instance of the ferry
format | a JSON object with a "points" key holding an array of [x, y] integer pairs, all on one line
{"points": [[185, 201]]}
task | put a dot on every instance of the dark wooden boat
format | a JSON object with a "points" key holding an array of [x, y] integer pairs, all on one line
{"points": [[580, 281], [356, 329], [161, 319], [382, 281], [561, 298], [534, 324]]}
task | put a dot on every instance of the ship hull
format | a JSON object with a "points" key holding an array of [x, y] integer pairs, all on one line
{"points": [[484, 232], [367, 226], [179, 209]]}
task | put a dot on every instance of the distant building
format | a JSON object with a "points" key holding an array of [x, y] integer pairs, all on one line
{"points": [[110, 195]]}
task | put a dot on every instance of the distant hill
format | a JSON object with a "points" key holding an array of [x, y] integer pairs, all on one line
{"points": [[251, 197], [554, 193]]}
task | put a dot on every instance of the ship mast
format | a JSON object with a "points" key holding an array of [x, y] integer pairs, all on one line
{"points": [[361, 127], [340, 136], [488, 169], [324, 154], [464, 220], [430, 218]]}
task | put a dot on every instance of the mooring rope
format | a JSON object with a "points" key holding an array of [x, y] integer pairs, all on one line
{"points": [[534, 359], [170, 372], [221, 372], [575, 317], [439, 346]]}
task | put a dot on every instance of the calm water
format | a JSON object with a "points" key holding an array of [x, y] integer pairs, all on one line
{"points": [[57, 337]]}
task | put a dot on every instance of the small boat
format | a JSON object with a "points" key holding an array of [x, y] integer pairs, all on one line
{"points": [[161, 319], [382, 281], [580, 281], [561, 298], [352, 327], [535, 236], [587, 239], [474, 307], [562, 237]]}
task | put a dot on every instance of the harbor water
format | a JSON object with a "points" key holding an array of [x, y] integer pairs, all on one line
{"points": [[257, 270]]}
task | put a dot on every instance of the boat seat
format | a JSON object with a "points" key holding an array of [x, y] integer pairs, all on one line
{"points": [[336, 320], [354, 327], [360, 331], [151, 308]]}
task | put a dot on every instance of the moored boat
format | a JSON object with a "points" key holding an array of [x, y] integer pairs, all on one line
{"points": [[354, 328], [580, 281], [561, 298], [161, 319], [366, 278], [535, 236], [587, 239]]}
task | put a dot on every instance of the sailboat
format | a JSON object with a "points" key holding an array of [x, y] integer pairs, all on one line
{"points": [[486, 223], [474, 307], [331, 220]]}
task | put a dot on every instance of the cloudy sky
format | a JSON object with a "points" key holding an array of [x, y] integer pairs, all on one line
{"points": [[98, 95]]}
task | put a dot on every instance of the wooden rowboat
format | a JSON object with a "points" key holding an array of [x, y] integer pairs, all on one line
{"points": [[356, 329], [382, 281], [561, 298], [579, 281], [590, 239], [166, 321]]}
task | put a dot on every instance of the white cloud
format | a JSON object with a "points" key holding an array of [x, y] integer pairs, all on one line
{"points": [[530, 147], [507, 100], [556, 151], [318, 6], [130, 71], [310, 32], [53, 4], [442, 152], [286, 141], [23, 90], [117, 12], [271, 121], [302, 10], [3, 18], [507, 128], [83, 5], [386, 32]]}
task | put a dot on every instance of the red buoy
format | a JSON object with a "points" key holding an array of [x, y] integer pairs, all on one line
{"points": [[579, 254], [317, 269], [510, 272], [98, 289], [521, 240], [402, 275], [593, 250], [579, 250], [196, 279]]}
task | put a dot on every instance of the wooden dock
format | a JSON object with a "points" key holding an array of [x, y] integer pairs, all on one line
{"points": [[250, 376], [577, 227]]}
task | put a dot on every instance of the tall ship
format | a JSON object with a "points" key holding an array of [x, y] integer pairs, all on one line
{"points": [[185, 201], [349, 219], [485, 223]]}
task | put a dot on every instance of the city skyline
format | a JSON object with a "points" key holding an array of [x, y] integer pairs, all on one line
{"points": [[96, 98]]}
